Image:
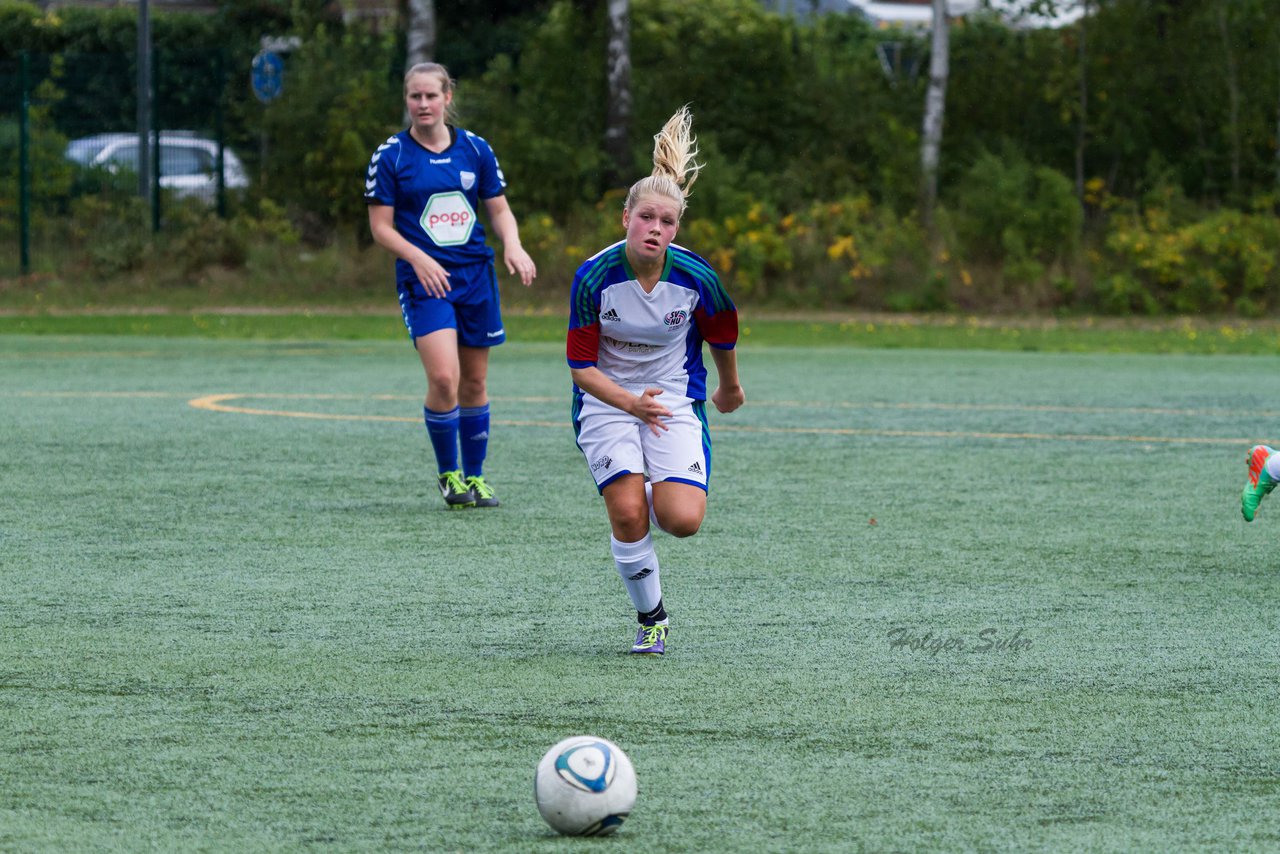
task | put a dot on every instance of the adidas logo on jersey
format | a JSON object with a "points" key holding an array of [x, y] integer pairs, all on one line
{"points": [[611, 315], [696, 468]]}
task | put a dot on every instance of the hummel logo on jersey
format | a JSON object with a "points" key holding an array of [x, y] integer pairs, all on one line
{"points": [[495, 334], [611, 315], [695, 468], [435, 161], [641, 574]]}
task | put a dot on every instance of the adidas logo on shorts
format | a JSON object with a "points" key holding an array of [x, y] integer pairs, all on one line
{"points": [[695, 468]]}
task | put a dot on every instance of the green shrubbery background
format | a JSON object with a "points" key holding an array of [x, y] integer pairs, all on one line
{"points": [[810, 195]]}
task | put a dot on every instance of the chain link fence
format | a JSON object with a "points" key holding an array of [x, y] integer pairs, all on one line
{"points": [[69, 141]]}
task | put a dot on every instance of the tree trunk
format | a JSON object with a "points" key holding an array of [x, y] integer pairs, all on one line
{"points": [[420, 39], [1082, 121], [935, 107], [1278, 145], [1233, 100], [617, 130]]}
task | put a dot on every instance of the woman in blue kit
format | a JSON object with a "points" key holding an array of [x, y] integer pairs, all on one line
{"points": [[424, 187]]}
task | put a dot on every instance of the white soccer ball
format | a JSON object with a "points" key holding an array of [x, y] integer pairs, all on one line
{"points": [[585, 786]]}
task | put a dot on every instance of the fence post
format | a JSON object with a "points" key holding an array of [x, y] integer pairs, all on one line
{"points": [[144, 98], [155, 149], [220, 131], [24, 167]]}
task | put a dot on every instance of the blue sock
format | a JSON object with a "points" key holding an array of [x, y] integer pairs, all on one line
{"points": [[474, 428], [442, 428]]}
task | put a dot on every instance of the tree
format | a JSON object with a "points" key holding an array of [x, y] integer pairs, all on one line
{"points": [[420, 40], [935, 107], [617, 129], [1231, 73]]}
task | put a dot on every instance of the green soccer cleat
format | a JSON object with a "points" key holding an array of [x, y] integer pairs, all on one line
{"points": [[482, 491], [1260, 483], [651, 639], [456, 493]]}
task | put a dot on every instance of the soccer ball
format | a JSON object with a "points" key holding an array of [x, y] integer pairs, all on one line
{"points": [[585, 786]]}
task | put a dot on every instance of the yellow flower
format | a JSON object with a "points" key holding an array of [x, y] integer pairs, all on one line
{"points": [[841, 248]]}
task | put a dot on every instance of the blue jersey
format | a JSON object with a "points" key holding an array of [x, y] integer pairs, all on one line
{"points": [[436, 196]]}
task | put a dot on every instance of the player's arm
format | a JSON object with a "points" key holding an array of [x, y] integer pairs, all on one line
{"points": [[644, 406], [729, 395], [582, 349], [382, 223], [720, 331], [504, 225]]}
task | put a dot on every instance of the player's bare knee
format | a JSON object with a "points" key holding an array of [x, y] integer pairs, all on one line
{"points": [[630, 531], [683, 525], [472, 391], [443, 385], [630, 522]]}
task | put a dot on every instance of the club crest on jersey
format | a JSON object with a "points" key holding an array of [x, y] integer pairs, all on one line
{"points": [[676, 318], [468, 179]]}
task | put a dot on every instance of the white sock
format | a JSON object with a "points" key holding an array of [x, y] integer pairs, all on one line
{"points": [[1272, 465], [638, 565], [648, 496]]}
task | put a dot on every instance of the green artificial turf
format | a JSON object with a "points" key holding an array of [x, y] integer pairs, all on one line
{"points": [[1170, 335], [236, 615]]}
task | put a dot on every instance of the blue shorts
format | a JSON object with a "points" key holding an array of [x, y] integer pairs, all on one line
{"points": [[471, 307]]}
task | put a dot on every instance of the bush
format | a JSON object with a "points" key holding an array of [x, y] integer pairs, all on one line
{"points": [[324, 127], [1224, 261], [1019, 221]]}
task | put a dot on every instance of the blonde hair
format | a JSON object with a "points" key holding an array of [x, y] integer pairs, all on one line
{"points": [[674, 166], [441, 73]]}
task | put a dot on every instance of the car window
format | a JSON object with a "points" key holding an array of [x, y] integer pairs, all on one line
{"points": [[83, 151], [185, 160], [125, 156]]}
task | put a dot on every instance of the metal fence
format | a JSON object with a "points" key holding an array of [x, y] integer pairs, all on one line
{"points": [[69, 128]]}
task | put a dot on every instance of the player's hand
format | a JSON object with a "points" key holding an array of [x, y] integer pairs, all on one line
{"points": [[729, 398], [520, 264], [434, 278], [647, 408]]}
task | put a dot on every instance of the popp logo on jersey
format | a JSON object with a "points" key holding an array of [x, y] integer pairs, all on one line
{"points": [[448, 219]]}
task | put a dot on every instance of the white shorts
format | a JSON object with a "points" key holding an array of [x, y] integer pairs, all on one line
{"points": [[617, 443]]}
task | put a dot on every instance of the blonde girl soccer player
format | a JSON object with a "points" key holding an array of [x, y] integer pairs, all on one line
{"points": [[639, 313], [423, 188]]}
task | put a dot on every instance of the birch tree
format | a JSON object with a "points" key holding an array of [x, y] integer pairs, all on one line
{"points": [[617, 130], [935, 107], [1231, 72], [420, 40]]}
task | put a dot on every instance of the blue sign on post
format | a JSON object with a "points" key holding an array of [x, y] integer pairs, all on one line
{"points": [[268, 75]]}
